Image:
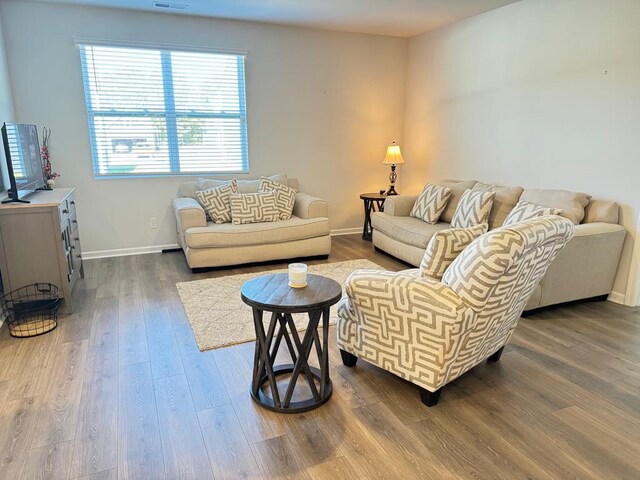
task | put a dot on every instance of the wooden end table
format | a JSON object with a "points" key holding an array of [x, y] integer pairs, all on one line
{"points": [[371, 200], [272, 293]]}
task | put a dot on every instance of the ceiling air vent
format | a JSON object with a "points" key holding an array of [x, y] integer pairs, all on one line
{"points": [[170, 6]]}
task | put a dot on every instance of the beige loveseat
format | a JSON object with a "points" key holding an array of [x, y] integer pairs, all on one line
{"points": [[586, 268], [206, 244]]}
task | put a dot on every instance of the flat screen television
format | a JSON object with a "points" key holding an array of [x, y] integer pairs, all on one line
{"points": [[24, 164]]}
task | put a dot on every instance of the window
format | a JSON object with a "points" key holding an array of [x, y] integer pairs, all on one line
{"points": [[164, 112]]}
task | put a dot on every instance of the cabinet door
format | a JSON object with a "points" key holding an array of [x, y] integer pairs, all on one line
{"points": [[68, 243]]}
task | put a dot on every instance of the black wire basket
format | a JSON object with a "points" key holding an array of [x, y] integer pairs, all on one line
{"points": [[31, 310]]}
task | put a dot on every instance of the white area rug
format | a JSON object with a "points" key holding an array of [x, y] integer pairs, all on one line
{"points": [[219, 317]]}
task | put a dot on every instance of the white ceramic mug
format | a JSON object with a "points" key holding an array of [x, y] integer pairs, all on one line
{"points": [[297, 275]]}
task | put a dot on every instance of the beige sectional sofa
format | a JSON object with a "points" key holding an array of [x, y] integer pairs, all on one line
{"points": [[586, 268], [206, 244]]}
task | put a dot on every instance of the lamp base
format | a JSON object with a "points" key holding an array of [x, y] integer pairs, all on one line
{"points": [[393, 176]]}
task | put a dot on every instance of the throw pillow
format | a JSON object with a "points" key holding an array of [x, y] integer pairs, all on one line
{"points": [[458, 187], [504, 201], [525, 211], [285, 196], [254, 208], [571, 203], [430, 203], [473, 209], [215, 201], [445, 246]]}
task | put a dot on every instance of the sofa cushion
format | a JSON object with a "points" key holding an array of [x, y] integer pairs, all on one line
{"points": [[526, 211], [285, 196], [506, 198], [254, 208], [215, 201], [430, 203], [601, 211], [244, 186], [458, 187], [571, 203], [408, 230], [229, 235], [445, 246], [473, 209]]}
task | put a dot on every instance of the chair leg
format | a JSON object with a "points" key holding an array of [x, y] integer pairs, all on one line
{"points": [[348, 359], [429, 398], [496, 356]]}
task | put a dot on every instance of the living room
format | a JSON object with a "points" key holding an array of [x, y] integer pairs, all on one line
{"points": [[155, 366]]}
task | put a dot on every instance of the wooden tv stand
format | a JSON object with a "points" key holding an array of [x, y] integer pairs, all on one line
{"points": [[39, 242]]}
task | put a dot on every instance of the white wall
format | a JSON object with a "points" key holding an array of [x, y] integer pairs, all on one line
{"points": [[6, 107], [322, 106], [540, 93]]}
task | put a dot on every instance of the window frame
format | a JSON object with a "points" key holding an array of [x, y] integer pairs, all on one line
{"points": [[169, 113]]}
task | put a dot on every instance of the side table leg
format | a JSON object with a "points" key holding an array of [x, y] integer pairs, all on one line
{"points": [[264, 355], [324, 362]]}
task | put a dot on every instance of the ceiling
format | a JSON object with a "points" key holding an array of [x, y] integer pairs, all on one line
{"points": [[403, 18]]}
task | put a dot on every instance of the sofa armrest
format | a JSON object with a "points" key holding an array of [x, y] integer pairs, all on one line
{"points": [[585, 268], [399, 205], [308, 206], [189, 213]]}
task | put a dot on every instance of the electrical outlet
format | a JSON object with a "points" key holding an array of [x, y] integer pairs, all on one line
{"points": [[153, 223]]}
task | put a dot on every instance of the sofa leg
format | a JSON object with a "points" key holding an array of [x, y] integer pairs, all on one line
{"points": [[348, 359], [430, 398], [199, 270], [496, 356]]}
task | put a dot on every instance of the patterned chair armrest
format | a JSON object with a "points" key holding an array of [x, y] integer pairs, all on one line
{"points": [[406, 324]]}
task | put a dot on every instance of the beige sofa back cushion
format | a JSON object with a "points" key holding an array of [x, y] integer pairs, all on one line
{"points": [[571, 203], [601, 211], [189, 189], [505, 199], [458, 187]]}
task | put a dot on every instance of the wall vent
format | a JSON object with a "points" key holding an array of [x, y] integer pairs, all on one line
{"points": [[170, 6]]}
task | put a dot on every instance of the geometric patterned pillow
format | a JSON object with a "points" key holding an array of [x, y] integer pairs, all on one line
{"points": [[285, 196], [445, 246], [254, 207], [525, 211], [431, 203], [474, 209], [216, 201]]}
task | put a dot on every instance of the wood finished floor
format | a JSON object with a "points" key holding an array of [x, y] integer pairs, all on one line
{"points": [[119, 390]]}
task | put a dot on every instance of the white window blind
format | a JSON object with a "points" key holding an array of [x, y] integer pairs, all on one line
{"points": [[164, 112]]}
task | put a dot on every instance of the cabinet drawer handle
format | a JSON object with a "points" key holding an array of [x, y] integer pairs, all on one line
{"points": [[73, 202], [75, 221], [65, 211], [77, 239]]}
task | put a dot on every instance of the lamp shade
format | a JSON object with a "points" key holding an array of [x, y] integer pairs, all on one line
{"points": [[393, 156]]}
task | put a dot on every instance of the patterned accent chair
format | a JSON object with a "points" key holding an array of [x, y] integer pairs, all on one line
{"points": [[430, 332]]}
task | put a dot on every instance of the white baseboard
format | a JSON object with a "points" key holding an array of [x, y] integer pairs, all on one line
{"points": [[346, 231], [121, 252], [617, 297]]}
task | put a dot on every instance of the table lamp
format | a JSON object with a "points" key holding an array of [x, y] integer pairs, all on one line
{"points": [[393, 158]]}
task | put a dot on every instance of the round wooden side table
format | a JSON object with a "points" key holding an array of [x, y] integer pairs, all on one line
{"points": [[371, 200], [272, 293]]}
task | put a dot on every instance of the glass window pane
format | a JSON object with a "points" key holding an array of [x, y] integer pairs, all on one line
{"points": [[210, 141], [125, 79], [131, 145], [205, 82]]}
